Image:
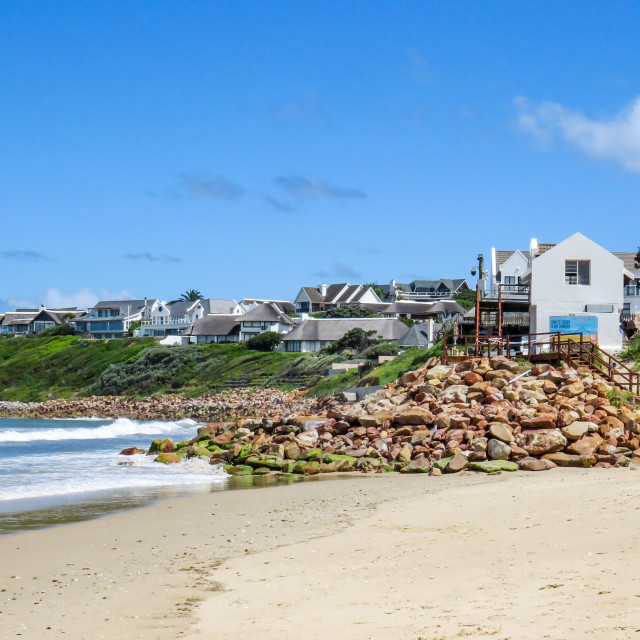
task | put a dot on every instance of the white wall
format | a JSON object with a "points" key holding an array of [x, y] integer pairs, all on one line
{"points": [[550, 296]]}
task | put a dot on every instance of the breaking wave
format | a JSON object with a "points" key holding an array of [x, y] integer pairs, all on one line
{"points": [[116, 429]]}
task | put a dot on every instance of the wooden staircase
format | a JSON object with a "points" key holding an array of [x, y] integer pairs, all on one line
{"points": [[579, 353]]}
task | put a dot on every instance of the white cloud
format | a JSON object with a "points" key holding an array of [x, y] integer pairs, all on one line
{"points": [[615, 139], [84, 298]]}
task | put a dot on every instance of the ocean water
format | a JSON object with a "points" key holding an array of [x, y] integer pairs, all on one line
{"points": [[57, 471]]}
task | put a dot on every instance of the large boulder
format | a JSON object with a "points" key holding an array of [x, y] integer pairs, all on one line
{"points": [[498, 450], [576, 430], [543, 442], [536, 464], [568, 460], [585, 446], [168, 458], [492, 466], [414, 415]]}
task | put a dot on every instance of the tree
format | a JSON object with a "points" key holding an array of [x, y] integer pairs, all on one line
{"points": [[357, 339], [466, 298], [376, 287], [266, 341], [349, 311], [190, 295]]}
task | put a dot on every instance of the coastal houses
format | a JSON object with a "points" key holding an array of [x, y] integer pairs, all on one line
{"points": [[262, 318], [113, 318], [421, 290], [323, 297], [26, 321], [314, 333]]}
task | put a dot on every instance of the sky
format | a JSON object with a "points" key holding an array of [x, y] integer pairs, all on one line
{"points": [[246, 149]]}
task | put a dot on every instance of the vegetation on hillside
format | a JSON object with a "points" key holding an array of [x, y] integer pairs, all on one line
{"points": [[408, 360], [38, 368]]}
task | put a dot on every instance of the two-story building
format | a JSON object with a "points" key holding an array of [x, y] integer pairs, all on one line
{"points": [[113, 318], [423, 290], [323, 297], [262, 318], [576, 286], [171, 319]]}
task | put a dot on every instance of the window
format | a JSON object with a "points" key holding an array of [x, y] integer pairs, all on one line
{"points": [[577, 272]]}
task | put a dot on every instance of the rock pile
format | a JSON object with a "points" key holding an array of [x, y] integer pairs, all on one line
{"points": [[264, 402], [485, 414]]}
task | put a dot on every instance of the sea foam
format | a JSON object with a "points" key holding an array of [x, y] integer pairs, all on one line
{"points": [[116, 429]]}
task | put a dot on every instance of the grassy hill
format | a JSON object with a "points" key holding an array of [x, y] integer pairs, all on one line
{"points": [[34, 369]]}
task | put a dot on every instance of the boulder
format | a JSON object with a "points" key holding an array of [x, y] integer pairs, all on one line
{"points": [[414, 415], [543, 442], [501, 431], [419, 465], [492, 466], [459, 462], [536, 464], [568, 460], [168, 458], [576, 430], [238, 470], [498, 450], [585, 446]]}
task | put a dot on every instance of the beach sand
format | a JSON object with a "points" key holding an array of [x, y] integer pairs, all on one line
{"points": [[547, 555]]}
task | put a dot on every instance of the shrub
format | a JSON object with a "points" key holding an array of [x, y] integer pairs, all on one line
{"points": [[357, 339], [266, 341], [381, 349], [58, 330], [349, 311]]}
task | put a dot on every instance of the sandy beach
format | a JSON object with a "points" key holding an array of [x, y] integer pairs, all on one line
{"points": [[525, 555]]}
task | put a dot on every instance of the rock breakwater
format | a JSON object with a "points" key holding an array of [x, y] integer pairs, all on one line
{"points": [[263, 402], [485, 414]]}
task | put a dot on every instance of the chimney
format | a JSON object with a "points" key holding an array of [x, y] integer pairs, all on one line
{"points": [[323, 290]]}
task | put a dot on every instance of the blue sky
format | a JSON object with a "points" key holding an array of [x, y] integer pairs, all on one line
{"points": [[246, 149]]}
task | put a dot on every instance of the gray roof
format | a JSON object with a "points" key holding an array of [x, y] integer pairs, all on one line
{"points": [[329, 329], [181, 307], [408, 306], [453, 284], [126, 307], [214, 325], [284, 305], [628, 260], [448, 307], [218, 305], [16, 318], [267, 312], [503, 256], [424, 284], [313, 294], [417, 336]]}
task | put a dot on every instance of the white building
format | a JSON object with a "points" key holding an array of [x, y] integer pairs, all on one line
{"points": [[576, 286]]}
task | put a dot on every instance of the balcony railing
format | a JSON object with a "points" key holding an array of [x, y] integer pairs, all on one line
{"points": [[162, 321], [632, 290]]}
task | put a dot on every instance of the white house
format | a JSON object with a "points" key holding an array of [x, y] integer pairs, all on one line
{"points": [[576, 286], [314, 333], [322, 297], [631, 303], [507, 269], [170, 319], [264, 317]]}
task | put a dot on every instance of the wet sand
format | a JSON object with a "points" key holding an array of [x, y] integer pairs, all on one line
{"points": [[547, 555]]}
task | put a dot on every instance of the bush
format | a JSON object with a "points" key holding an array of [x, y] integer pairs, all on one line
{"points": [[348, 311], [381, 349], [58, 330], [357, 339], [266, 341]]}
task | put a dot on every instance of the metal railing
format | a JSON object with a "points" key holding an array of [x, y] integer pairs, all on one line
{"points": [[632, 290]]}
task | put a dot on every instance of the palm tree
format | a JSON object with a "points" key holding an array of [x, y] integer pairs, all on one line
{"points": [[190, 295]]}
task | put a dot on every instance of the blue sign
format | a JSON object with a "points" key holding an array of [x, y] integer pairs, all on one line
{"points": [[586, 325]]}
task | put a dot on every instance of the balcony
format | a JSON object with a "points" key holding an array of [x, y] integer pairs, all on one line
{"points": [[631, 291], [161, 321]]}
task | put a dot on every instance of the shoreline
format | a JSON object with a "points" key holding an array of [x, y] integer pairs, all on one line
{"points": [[413, 556], [226, 405]]}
